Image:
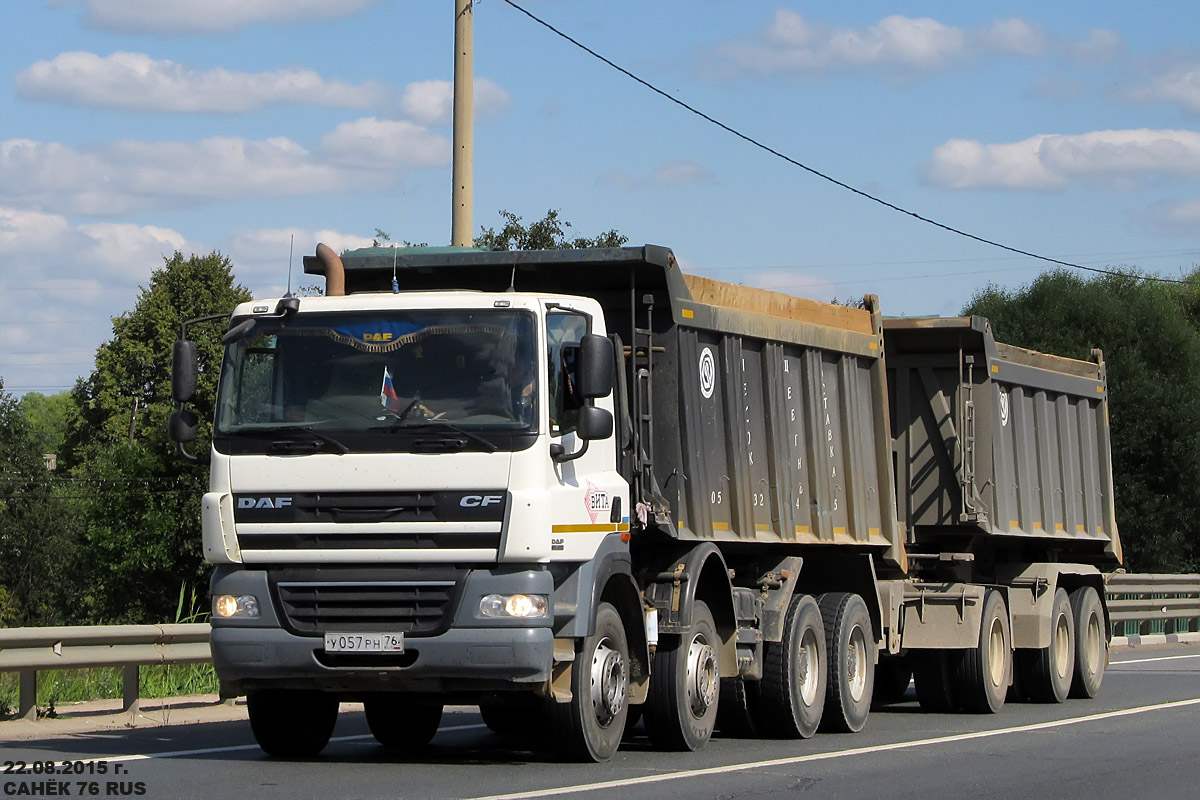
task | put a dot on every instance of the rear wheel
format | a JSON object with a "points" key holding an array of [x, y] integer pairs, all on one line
{"points": [[1091, 643], [984, 672], [685, 684], [735, 710], [791, 695], [402, 721], [1046, 674], [589, 727], [892, 677], [291, 723], [850, 647], [934, 681]]}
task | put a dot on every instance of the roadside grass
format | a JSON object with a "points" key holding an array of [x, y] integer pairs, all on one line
{"points": [[56, 687]]}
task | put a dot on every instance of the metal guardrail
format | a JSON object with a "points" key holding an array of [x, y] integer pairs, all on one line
{"points": [[1145, 605], [28, 650], [1139, 605]]}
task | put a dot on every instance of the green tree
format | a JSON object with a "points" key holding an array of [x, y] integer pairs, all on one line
{"points": [[39, 552], [548, 233], [49, 417], [141, 513], [1152, 352]]}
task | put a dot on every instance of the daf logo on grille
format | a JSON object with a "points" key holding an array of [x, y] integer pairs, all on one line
{"points": [[264, 502], [480, 500]]}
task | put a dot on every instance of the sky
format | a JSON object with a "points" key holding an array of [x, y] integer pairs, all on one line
{"points": [[130, 129]]}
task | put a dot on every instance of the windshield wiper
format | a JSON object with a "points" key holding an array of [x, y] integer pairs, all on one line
{"points": [[427, 424], [309, 444]]}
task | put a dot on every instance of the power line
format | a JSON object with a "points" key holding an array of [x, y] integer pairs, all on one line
{"points": [[818, 173]]}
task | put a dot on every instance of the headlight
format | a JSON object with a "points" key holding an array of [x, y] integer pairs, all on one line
{"points": [[523, 606], [227, 605]]}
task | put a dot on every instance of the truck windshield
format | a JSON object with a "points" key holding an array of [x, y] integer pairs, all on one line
{"points": [[341, 373]]}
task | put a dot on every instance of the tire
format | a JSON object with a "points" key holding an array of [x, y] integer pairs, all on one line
{"points": [[401, 720], [984, 673], [791, 696], [892, 677], [523, 715], [290, 723], [1046, 673], [735, 710], [934, 681], [590, 726], [685, 686], [850, 647], [1091, 642]]}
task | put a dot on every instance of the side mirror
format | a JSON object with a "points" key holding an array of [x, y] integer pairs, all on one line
{"points": [[237, 332], [595, 374], [182, 425], [183, 370], [594, 423]]}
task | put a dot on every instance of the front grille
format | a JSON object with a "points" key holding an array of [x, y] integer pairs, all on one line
{"points": [[412, 607], [369, 541]]}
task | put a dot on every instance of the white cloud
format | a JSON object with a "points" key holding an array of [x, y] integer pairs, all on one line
{"points": [[1180, 86], [432, 102], [120, 176], [60, 284], [668, 175], [260, 255], [1100, 47], [136, 82], [1178, 217], [373, 143], [791, 43], [1052, 161], [209, 16], [681, 173]]}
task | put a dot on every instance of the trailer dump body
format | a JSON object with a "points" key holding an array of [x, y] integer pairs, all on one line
{"points": [[997, 441]]}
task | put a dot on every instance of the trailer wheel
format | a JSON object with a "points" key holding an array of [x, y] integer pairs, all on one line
{"points": [[402, 720], [291, 723], [850, 645], [892, 677], [1091, 644], [1046, 673], [685, 684], [984, 672], [735, 710], [933, 677], [590, 726], [791, 694]]}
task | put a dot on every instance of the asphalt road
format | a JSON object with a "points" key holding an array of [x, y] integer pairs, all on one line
{"points": [[1139, 739]]}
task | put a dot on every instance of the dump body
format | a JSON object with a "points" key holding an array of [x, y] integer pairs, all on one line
{"points": [[999, 444], [746, 416]]}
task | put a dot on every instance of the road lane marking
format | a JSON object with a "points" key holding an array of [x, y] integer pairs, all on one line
{"points": [[858, 751], [236, 747], [1147, 660]]}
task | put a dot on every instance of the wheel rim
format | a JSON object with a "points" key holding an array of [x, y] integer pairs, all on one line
{"points": [[808, 667], [702, 676], [1092, 646], [1062, 647], [609, 683], [856, 663], [996, 653]]}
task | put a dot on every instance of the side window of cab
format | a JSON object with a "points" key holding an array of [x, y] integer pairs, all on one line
{"points": [[564, 332]]}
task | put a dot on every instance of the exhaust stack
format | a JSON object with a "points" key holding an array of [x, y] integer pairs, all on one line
{"points": [[335, 272]]}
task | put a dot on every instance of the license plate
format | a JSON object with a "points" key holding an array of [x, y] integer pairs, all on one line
{"points": [[364, 642]]}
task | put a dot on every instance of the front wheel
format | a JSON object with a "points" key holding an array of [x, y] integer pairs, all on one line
{"points": [[985, 672], [291, 723], [590, 726], [402, 721], [685, 684]]}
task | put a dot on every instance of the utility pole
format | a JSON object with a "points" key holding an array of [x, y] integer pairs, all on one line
{"points": [[461, 224]]}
